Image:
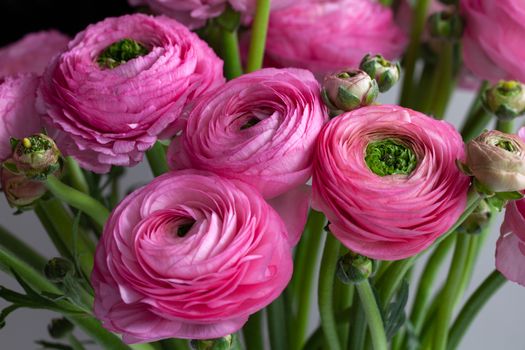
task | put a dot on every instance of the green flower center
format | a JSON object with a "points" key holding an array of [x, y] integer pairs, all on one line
{"points": [[389, 157], [120, 52], [506, 145], [183, 229], [33, 144]]}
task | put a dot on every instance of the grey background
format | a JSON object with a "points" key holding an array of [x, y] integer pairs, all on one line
{"points": [[499, 326]]}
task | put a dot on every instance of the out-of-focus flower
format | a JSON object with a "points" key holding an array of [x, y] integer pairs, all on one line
{"points": [[506, 99], [259, 128], [121, 85], [349, 89], [386, 73], [190, 255], [32, 53], [386, 178]]}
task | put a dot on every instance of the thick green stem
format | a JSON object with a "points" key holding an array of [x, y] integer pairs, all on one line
{"points": [[100, 335], [325, 292], [277, 328], [477, 117], [345, 300], [357, 330], [252, 332], [373, 315], [417, 25], [74, 342], [78, 200], [392, 278], [157, 159], [506, 126], [443, 82], [175, 344], [76, 176], [448, 298], [21, 250], [230, 54], [304, 273], [258, 39], [473, 306]]}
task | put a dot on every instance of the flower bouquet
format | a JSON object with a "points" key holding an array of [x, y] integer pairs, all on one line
{"points": [[279, 177]]}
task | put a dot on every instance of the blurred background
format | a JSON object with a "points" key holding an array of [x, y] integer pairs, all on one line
{"points": [[499, 325]]}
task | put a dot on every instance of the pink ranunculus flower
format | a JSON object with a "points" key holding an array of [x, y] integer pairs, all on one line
{"points": [[18, 116], [110, 113], [195, 13], [327, 35], [493, 38], [259, 128], [414, 193], [191, 255], [32, 53]]}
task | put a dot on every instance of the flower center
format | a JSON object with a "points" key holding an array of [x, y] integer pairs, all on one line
{"points": [[184, 228], [120, 52], [33, 144], [506, 145], [251, 122], [389, 157]]}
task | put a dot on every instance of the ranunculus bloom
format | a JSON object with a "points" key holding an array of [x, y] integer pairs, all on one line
{"points": [[493, 38], [259, 128], [32, 53], [19, 190], [510, 248], [18, 116], [194, 13], [401, 212], [111, 116], [191, 255], [327, 35]]}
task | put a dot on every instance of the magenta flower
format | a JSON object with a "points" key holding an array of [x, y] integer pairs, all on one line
{"points": [[191, 255], [32, 53], [510, 248], [259, 128], [18, 116], [327, 35], [493, 37], [386, 178], [122, 84]]}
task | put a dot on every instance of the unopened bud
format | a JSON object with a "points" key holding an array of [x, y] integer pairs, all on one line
{"points": [[348, 90], [506, 99], [35, 156], [445, 25], [59, 328], [57, 269], [354, 268], [20, 191], [224, 343], [478, 220], [385, 73]]}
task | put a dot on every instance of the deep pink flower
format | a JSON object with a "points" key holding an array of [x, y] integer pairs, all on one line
{"points": [[191, 255], [32, 53], [111, 116], [259, 128], [18, 116], [493, 38], [395, 216], [327, 35]]}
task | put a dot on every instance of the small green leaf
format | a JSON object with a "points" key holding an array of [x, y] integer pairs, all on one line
{"points": [[346, 99], [395, 316], [11, 167], [14, 142], [509, 195], [5, 312]]}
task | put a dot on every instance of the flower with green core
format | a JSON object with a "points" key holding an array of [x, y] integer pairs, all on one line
{"points": [[385, 73], [505, 99], [390, 157], [224, 343], [121, 52], [354, 268], [35, 156], [348, 90]]}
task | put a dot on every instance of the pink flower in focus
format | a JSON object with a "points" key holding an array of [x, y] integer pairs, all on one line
{"points": [[18, 116], [190, 255], [493, 38], [327, 35], [111, 116], [259, 128], [393, 216], [32, 53]]}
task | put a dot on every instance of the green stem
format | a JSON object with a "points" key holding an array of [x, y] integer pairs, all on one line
{"points": [[92, 328], [302, 281], [357, 330], [477, 117], [392, 278], [277, 329], [315, 341], [373, 315], [425, 82], [506, 126], [21, 250], [325, 292], [76, 176], [252, 332], [230, 54], [444, 81], [448, 298], [345, 301], [157, 159], [417, 25], [473, 306], [174, 344], [78, 200], [48, 225], [74, 342], [258, 40]]}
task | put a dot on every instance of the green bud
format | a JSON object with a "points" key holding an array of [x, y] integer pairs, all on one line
{"points": [[57, 269], [36, 157], [349, 90], [445, 25], [506, 99], [59, 328], [478, 220], [354, 268], [121, 52], [386, 73], [224, 343]]}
